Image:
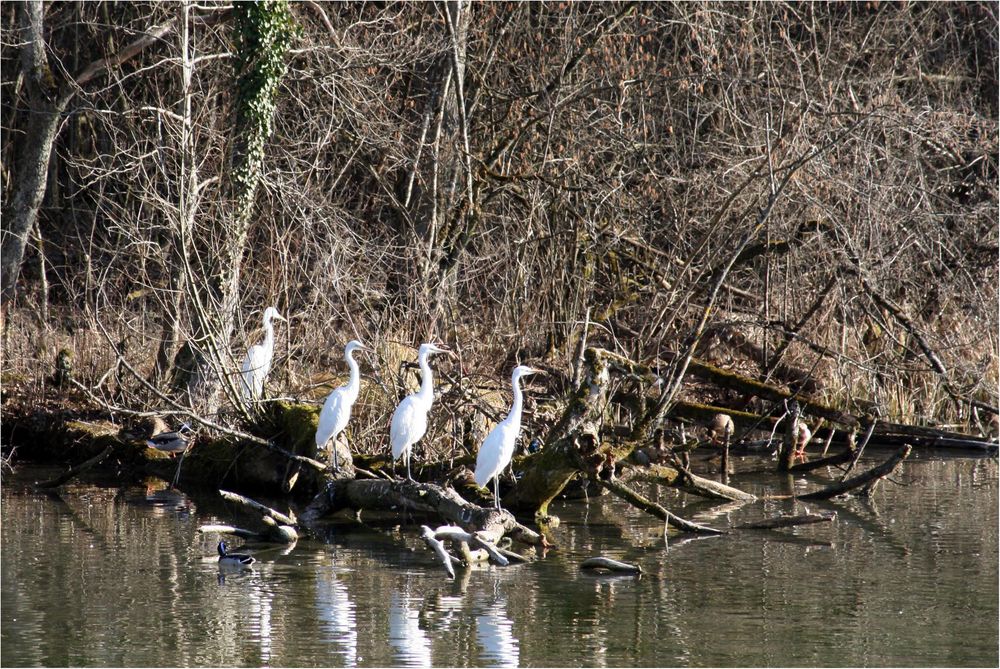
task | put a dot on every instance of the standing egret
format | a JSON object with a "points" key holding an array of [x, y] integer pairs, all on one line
{"points": [[409, 421], [337, 408], [498, 447], [258, 361]]}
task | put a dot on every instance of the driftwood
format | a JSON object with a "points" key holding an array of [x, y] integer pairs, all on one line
{"points": [[862, 480], [427, 534], [601, 562]]}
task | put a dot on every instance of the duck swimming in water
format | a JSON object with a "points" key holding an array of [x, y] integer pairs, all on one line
{"points": [[226, 557]]}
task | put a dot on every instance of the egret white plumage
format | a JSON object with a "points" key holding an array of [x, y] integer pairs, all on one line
{"points": [[498, 447], [337, 408], [257, 363], [409, 421]]}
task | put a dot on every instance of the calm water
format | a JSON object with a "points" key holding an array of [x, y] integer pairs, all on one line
{"points": [[107, 576]]}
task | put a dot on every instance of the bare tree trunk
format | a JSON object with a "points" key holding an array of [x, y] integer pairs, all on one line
{"points": [[46, 107], [47, 103]]}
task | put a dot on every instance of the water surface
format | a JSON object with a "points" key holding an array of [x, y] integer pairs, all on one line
{"points": [[99, 576]]}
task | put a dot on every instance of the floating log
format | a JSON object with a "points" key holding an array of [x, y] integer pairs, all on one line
{"points": [[601, 562]]}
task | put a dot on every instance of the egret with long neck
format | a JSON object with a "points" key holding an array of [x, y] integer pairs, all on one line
{"points": [[409, 421], [257, 362], [498, 447], [337, 409]]}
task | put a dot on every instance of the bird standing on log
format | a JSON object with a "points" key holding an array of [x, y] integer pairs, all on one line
{"points": [[170, 442], [257, 363], [409, 421], [337, 408], [498, 447]]}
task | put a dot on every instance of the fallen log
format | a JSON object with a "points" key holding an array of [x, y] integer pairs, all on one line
{"points": [[427, 498], [280, 528], [861, 480]]}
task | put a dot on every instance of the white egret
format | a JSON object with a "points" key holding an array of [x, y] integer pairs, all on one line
{"points": [[409, 421], [337, 408], [498, 447], [258, 361]]}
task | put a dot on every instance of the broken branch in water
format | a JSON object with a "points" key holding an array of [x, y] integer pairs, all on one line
{"points": [[652, 508], [788, 521], [861, 480]]}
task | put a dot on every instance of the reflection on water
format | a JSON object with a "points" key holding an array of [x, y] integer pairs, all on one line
{"points": [[495, 633], [412, 646], [335, 612], [107, 576]]}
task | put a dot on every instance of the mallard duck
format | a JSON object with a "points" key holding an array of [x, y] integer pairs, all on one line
{"points": [[234, 558], [170, 442]]}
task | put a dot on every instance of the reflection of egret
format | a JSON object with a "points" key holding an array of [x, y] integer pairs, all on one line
{"points": [[411, 643], [409, 421], [337, 408], [498, 448], [257, 363], [336, 613], [495, 633]]}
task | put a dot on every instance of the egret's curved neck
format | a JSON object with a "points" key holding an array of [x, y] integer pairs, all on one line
{"points": [[426, 393], [268, 334], [515, 409], [355, 381]]}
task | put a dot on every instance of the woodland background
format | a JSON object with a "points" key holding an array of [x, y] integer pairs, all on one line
{"points": [[818, 179]]}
